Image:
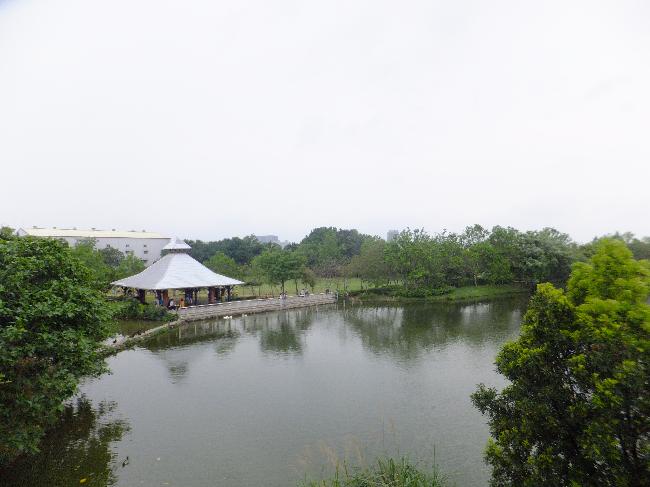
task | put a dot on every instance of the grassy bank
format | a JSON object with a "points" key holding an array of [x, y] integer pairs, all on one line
{"points": [[466, 293], [385, 473]]}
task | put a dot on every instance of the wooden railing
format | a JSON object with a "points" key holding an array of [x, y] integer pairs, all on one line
{"points": [[234, 308]]}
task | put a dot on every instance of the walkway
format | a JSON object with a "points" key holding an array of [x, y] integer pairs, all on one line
{"points": [[248, 306]]}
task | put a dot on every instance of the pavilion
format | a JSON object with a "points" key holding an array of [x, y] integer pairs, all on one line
{"points": [[179, 271]]}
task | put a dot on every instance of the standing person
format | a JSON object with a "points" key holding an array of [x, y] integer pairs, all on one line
{"points": [[172, 304]]}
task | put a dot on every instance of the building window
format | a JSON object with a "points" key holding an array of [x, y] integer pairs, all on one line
{"points": [[146, 251]]}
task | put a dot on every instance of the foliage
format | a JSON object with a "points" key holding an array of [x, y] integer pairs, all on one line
{"points": [[93, 259], [6, 233], [241, 250], [370, 264], [111, 256], [478, 256], [128, 266], [640, 247], [308, 277], [132, 309], [386, 473], [52, 322], [225, 265], [578, 407], [279, 266], [327, 249]]}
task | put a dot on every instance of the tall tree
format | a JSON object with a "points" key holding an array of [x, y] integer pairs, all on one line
{"points": [[279, 266], [52, 322], [577, 409]]}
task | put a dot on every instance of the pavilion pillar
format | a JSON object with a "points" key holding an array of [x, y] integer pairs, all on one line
{"points": [[211, 295], [165, 297], [188, 296], [218, 294], [141, 295], [229, 291], [196, 296]]}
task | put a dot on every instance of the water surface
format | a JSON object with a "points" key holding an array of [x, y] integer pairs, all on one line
{"points": [[267, 399]]}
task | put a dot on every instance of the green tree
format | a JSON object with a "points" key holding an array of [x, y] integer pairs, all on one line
{"points": [[52, 323], [370, 265], [223, 264], [128, 266], [577, 410], [308, 277], [6, 232], [241, 250], [94, 260], [279, 266], [112, 257]]}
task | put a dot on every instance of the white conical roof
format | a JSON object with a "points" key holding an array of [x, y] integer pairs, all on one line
{"points": [[176, 244], [176, 271]]}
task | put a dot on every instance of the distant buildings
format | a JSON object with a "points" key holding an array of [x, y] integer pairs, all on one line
{"points": [[146, 246], [265, 239], [391, 235]]}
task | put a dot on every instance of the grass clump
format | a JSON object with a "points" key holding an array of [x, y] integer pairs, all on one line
{"points": [[387, 472]]}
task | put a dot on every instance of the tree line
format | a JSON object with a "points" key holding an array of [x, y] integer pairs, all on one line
{"points": [[416, 262]]}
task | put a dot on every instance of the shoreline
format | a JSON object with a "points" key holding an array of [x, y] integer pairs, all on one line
{"points": [[458, 295]]}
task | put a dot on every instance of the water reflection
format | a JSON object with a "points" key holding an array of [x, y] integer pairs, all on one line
{"points": [[264, 399], [409, 331], [283, 332], [191, 333], [78, 447]]}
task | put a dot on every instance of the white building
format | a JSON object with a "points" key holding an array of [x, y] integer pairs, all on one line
{"points": [[146, 246]]}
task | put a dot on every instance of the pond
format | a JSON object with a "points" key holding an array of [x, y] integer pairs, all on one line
{"points": [[271, 398]]}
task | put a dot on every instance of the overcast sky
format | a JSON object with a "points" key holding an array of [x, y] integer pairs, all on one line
{"points": [[208, 119]]}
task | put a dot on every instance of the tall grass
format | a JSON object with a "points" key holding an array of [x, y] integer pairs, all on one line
{"points": [[385, 473]]}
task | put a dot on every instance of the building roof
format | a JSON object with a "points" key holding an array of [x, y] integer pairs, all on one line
{"points": [[73, 232], [176, 271], [176, 244]]}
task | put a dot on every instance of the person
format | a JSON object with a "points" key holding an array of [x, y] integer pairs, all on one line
{"points": [[172, 304]]}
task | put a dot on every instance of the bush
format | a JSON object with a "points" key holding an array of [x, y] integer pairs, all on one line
{"points": [[422, 292], [132, 309]]}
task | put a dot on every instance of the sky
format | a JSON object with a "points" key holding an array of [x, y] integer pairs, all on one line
{"points": [[209, 119]]}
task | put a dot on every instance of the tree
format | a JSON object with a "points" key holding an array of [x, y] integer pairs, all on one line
{"points": [[93, 259], [52, 323], [370, 264], [577, 410], [112, 257], [6, 232], [223, 264], [128, 266], [241, 250], [279, 266], [308, 277]]}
